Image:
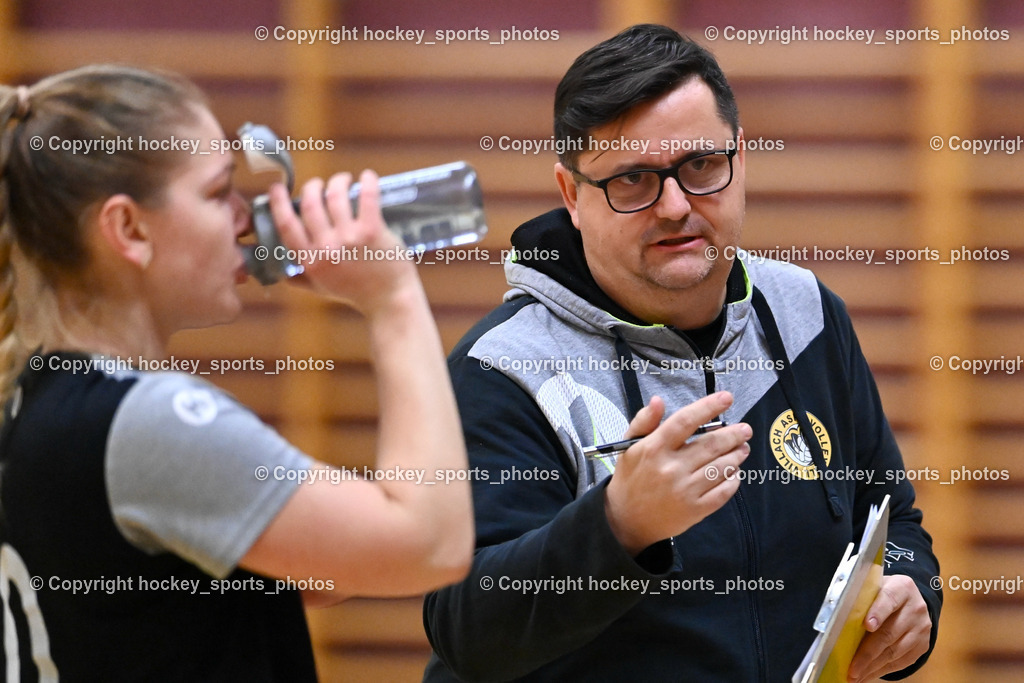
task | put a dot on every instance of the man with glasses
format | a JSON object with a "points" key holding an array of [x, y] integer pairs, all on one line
{"points": [[700, 552]]}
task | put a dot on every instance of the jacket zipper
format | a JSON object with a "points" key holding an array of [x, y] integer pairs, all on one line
{"points": [[748, 533], [748, 541], [707, 363]]}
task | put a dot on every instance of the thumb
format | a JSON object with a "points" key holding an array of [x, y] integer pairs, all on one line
{"points": [[647, 420]]}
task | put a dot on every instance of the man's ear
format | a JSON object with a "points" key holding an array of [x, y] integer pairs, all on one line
{"points": [[123, 231], [741, 147], [568, 186]]}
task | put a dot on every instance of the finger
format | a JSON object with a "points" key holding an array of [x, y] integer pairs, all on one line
{"points": [[647, 420], [901, 633], [899, 656], [289, 225], [873, 653], [680, 425], [706, 449], [314, 214], [898, 665], [336, 199], [880, 637], [715, 498], [720, 480], [371, 225], [369, 194], [893, 594], [725, 466]]}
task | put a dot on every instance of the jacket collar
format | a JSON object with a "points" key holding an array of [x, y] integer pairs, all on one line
{"points": [[549, 264]]}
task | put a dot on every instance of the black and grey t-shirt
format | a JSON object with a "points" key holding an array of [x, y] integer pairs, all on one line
{"points": [[128, 500]]}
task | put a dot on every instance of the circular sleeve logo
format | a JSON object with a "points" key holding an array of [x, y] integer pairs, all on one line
{"points": [[790, 448], [195, 407]]}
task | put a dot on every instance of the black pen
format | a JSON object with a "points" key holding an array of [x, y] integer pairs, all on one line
{"points": [[616, 447]]}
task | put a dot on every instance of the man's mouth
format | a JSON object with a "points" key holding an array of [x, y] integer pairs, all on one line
{"points": [[673, 241], [681, 242]]}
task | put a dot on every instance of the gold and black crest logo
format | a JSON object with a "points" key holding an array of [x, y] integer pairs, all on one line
{"points": [[790, 448]]}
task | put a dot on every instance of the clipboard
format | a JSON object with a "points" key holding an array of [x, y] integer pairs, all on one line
{"points": [[840, 621]]}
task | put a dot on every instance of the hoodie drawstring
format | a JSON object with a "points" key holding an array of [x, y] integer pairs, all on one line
{"points": [[634, 399]]}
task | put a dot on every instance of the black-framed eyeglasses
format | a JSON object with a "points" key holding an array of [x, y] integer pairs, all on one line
{"points": [[698, 174]]}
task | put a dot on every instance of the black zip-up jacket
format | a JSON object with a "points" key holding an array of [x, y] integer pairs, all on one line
{"points": [[552, 595]]}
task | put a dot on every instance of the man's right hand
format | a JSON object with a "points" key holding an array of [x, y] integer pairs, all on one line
{"points": [[662, 485]]}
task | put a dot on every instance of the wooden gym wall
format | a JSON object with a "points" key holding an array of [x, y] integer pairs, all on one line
{"points": [[857, 169]]}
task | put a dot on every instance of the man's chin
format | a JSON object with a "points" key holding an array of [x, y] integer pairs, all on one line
{"points": [[682, 273]]}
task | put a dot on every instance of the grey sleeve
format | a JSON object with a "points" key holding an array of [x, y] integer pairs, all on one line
{"points": [[192, 472]]}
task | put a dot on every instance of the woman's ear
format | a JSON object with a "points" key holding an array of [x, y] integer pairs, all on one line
{"points": [[123, 230]]}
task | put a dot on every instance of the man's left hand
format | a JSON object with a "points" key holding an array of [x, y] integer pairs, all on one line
{"points": [[899, 631]]}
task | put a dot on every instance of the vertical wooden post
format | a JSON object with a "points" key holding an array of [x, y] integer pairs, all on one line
{"points": [[305, 395], [8, 41], [944, 97], [616, 15]]}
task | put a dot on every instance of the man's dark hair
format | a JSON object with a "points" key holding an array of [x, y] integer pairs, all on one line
{"points": [[639, 64]]}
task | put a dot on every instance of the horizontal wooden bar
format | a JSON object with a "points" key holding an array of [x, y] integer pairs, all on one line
{"points": [[233, 54]]}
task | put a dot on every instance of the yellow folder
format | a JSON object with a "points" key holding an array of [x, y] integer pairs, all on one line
{"points": [[840, 621]]}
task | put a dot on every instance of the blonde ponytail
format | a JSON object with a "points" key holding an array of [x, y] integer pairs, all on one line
{"points": [[12, 101]]}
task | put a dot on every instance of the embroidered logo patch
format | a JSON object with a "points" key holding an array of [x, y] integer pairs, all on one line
{"points": [[791, 450]]}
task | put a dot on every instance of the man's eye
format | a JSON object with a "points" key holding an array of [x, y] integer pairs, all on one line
{"points": [[698, 165]]}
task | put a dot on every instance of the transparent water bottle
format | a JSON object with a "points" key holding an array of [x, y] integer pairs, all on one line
{"points": [[430, 208]]}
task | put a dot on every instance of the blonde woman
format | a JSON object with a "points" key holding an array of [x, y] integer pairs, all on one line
{"points": [[146, 516]]}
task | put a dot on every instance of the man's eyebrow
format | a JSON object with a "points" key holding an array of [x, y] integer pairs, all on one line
{"points": [[647, 165], [627, 167]]}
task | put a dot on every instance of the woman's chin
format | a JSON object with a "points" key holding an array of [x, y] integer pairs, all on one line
{"points": [[228, 311]]}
